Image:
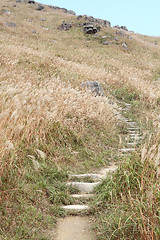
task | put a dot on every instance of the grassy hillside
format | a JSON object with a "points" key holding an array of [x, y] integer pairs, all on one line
{"points": [[49, 126]]}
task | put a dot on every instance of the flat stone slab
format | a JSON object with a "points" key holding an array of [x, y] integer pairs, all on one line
{"points": [[92, 176], [74, 228], [133, 128], [82, 195], [131, 123], [76, 207], [134, 131], [134, 134], [132, 144], [107, 170], [83, 187], [138, 137], [127, 150]]}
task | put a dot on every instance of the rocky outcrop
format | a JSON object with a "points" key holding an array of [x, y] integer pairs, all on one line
{"points": [[121, 33], [121, 27], [89, 28], [40, 7], [94, 20], [65, 10], [94, 87], [65, 26]]}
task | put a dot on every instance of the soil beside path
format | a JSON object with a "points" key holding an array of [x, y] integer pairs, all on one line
{"points": [[74, 228]]}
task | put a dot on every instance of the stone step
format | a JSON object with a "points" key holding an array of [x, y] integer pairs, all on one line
{"points": [[83, 187], [89, 175], [126, 150], [108, 170], [134, 134], [76, 207], [82, 195], [131, 123], [133, 128], [135, 137], [131, 144]]}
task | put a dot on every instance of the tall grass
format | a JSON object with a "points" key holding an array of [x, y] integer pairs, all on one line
{"points": [[129, 201]]}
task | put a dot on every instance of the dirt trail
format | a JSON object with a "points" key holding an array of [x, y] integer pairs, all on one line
{"points": [[78, 227], [74, 228]]}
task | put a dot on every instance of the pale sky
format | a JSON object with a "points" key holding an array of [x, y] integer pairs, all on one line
{"points": [[140, 16]]}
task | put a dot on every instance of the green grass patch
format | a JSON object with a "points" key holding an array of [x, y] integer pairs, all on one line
{"points": [[127, 205]]}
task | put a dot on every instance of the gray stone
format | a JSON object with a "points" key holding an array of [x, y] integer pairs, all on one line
{"points": [[124, 45], [40, 7], [107, 43], [107, 23], [121, 33], [7, 11], [65, 26], [89, 28], [83, 187], [121, 27], [71, 12], [116, 39], [11, 24], [20, 1], [94, 87], [43, 20], [79, 17]]}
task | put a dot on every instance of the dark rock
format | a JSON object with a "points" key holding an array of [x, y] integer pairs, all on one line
{"points": [[14, 5], [89, 28], [124, 28], [31, 2], [87, 23], [65, 26], [34, 31], [79, 17], [40, 7], [11, 24], [94, 87]]}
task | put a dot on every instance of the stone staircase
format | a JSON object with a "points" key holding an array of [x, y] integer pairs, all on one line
{"points": [[86, 183]]}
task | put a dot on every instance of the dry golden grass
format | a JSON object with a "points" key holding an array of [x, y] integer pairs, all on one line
{"points": [[40, 74]]}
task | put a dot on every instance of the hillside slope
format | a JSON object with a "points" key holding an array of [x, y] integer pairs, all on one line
{"points": [[49, 126]]}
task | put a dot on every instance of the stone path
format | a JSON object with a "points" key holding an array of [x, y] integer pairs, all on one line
{"points": [[77, 227]]}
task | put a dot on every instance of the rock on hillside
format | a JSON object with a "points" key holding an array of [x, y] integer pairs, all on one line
{"points": [[94, 87]]}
